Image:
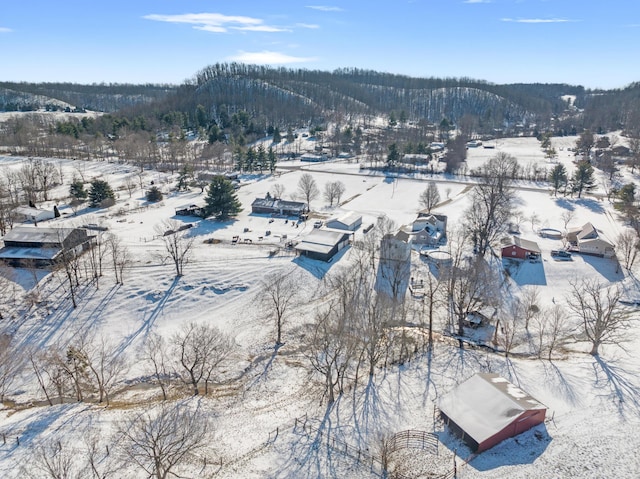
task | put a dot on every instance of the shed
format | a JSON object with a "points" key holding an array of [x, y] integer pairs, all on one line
{"points": [[28, 213], [322, 244], [520, 248], [486, 409], [350, 221]]}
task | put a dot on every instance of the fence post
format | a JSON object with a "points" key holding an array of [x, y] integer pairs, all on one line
{"points": [[4, 439], [18, 440]]}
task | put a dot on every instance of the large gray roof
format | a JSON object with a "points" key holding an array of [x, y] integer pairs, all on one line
{"points": [[36, 234]]}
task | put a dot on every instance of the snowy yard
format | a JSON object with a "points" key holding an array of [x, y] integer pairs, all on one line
{"points": [[594, 402]]}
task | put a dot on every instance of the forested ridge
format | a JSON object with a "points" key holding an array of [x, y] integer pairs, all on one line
{"points": [[284, 97]]}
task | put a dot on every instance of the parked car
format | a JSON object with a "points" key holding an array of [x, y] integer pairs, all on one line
{"points": [[317, 224], [561, 255]]}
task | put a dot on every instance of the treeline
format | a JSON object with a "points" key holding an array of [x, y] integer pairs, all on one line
{"points": [[104, 97]]}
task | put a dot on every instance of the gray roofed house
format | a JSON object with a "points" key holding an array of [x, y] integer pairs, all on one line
{"points": [[276, 206], [41, 247], [486, 409]]}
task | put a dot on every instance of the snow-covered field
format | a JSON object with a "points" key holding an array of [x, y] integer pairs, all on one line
{"points": [[594, 403]]}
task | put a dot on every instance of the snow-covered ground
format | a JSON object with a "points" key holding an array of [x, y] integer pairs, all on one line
{"points": [[594, 403]]}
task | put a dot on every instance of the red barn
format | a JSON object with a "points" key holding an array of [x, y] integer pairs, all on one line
{"points": [[521, 249], [486, 409]]}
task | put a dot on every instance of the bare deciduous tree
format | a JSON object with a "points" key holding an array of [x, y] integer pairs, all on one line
{"points": [[567, 217], [154, 353], [163, 442], [278, 190], [278, 295], [177, 243], [628, 247], [491, 202], [10, 364], [333, 191], [307, 188], [430, 197], [598, 308], [200, 349], [120, 257]]}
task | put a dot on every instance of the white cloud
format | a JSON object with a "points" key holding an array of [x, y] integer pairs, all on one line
{"points": [[267, 57], [5, 30], [325, 8], [217, 22], [537, 20], [312, 26]]}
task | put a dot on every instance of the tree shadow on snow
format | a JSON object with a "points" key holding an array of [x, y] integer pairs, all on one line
{"points": [[524, 272], [592, 205], [149, 321], [318, 268], [564, 203], [622, 390], [608, 268]]}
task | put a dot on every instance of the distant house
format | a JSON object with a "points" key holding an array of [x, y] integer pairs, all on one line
{"points": [[274, 206], [28, 213], [41, 247], [396, 247], [311, 158], [350, 221], [429, 229], [416, 159], [519, 248], [322, 244], [588, 240], [190, 210], [486, 409]]}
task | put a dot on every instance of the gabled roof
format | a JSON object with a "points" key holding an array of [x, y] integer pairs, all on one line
{"points": [[526, 244], [348, 218], [587, 230], [37, 234], [320, 241], [485, 404]]}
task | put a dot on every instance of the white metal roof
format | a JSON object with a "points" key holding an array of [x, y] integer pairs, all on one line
{"points": [[320, 241], [485, 404]]}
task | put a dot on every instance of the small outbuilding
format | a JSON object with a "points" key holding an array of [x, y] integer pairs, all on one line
{"points": [[486, 409], [519, 248], [350, 221], [28, 213], [322, 244]]}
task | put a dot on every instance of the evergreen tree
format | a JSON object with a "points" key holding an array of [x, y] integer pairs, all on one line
{"points": [[394, 155], [221, 199], [101, 195], [238, 158], [250, 159], [277, 137], [290, 135], [154, 194], [76, 190], [183, 178], [558, 177], [261, 157], [582, 179], [271, 159]]}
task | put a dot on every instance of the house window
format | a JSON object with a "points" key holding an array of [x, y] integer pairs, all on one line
{"points": [[513, 253]]}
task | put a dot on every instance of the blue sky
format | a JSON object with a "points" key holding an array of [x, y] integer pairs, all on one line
{"points": [[587, 42]]}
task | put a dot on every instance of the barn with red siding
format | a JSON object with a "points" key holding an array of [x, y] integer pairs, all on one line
{"points": [[486, 409], [520, 248]]}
